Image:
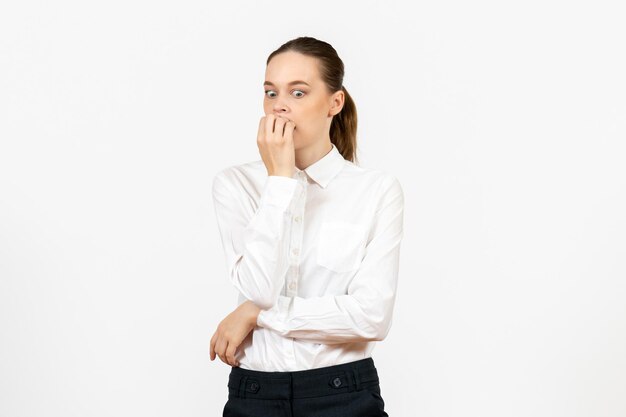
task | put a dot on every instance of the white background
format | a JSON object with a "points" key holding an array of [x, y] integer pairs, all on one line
{"points": [[505, 123]]}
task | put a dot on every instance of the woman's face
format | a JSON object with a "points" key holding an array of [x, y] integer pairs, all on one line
{"points": [[294, 90]]}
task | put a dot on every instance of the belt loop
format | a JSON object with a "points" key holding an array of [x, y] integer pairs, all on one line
{"points": [[242, 386], [357, 379], [349, 380]]}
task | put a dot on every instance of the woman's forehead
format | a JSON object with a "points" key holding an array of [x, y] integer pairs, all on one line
{"points": [[283, 70]]}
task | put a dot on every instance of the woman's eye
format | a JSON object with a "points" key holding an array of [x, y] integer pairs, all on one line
{"points": [[268, 92]]}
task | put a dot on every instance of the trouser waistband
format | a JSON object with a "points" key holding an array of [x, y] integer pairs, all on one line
{"points": [[329, 380]]}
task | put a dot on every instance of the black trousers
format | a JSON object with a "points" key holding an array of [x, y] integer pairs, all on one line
{"points": [[346, 390]]}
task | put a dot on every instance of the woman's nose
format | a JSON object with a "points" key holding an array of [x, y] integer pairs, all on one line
{"points": [[279, 109], [280, 112], [279, 106]]}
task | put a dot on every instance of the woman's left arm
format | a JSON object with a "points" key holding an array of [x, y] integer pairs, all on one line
{"points": [[365, 312]]}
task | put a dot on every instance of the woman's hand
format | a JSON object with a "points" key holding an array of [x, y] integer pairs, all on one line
{"points": [[232, 331], [275, 142]]}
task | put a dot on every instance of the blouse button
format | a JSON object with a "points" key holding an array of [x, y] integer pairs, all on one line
{"points": [[292, 285], [297, 218]]}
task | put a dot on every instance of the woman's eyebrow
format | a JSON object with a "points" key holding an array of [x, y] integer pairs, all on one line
{"points": [[291, 83]]}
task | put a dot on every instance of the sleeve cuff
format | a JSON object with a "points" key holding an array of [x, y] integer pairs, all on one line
{"points": [[265, 317], [278, 191], [272, 317]]}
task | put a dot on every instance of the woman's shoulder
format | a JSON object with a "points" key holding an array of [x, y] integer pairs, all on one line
{"points": [[244, 171], [381, 178]]}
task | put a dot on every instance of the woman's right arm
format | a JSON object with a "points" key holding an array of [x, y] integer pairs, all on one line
{"points": [[256, 247]]}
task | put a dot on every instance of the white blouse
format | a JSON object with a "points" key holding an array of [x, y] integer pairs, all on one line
{"points": [[318, 252]]}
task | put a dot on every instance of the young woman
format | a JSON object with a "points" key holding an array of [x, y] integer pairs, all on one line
{"points": [[312, 244]]}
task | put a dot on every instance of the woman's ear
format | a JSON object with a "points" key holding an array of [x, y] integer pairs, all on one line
{"points": [[337, 100]]}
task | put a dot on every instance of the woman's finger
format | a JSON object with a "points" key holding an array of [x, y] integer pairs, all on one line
{"points": [[212, 346], [269, 126], [279, 128], [230, 354], [220, 348], [261, 128], [289, 128]]}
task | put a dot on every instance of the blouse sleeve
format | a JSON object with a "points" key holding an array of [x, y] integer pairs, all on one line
{"points": [[256, 247], [365, 312]]}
